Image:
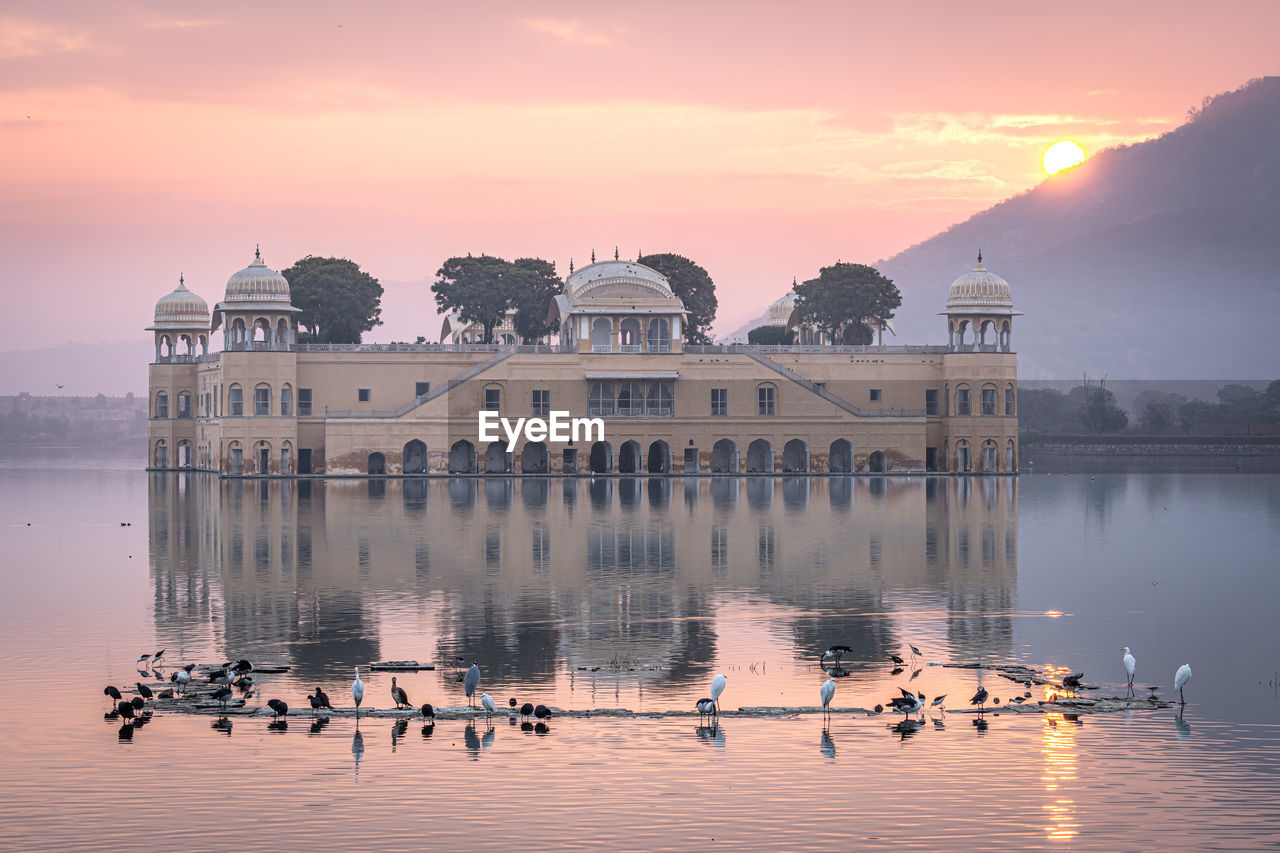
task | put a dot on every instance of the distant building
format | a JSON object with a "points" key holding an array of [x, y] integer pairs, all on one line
{"points": [[266, 405]]}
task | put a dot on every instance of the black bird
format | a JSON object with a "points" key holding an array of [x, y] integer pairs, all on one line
{"points": [[138, 703], [705, 708], [908, 702], [512, 702], [526, 710], [241, 666], [220, 676], [1072, 680], [398, 695], [428, 713], [189, 667], [279, 707], [897, 660], [914, 650], [221, 696], [144, 691], [244, 682], [836, 652], [125, 709], [879, 709], [979, 698], [320, 700], [112, 691], [542, 712]]}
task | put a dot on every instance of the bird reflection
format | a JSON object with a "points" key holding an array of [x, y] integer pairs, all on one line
{"points": [[357, 751], [907, 728], [981, 724], [281, 725], [428, 730], [1184, 728], [827, 746], [318, 724], [221, 724], [398, 730], [540, 729], [471, 740], [712, 735], [526, 726], [486, 740], [837, 672], [125, 733]]}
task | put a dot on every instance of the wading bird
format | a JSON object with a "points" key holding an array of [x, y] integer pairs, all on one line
{"points": [[157, 657], [320, 700], [1130, 664], [397, 693], [182, 678], [908, 703], [357, 692], [142, 659], [914, 651], [896, 660], [542, 712], [221, 695], [526, 710], [1072, 680], [836, 652], [471, 682], [487, 701], [279, 707], [125, 709], [144, 691], [827, 693], [705, 708], [717, 687], [938, 700], [980, 698], [428, 713], [112, 691], [1180, 680]]}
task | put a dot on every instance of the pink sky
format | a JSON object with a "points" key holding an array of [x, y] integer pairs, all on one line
{"points": [[141, 140]]}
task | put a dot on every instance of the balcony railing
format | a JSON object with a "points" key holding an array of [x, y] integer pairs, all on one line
{"points": [[602, 347], [630, 348], [642, 410]]}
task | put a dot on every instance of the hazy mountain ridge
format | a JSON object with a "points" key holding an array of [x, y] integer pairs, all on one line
{"points": [[1159, 259]]}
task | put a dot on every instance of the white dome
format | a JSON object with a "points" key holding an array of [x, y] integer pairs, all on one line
{"points": [[257, 283], [979, 288], [617, 271], [182, 308], [780, 309]]}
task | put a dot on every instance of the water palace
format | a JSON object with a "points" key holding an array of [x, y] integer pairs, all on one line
{"points": [[266, 405]]}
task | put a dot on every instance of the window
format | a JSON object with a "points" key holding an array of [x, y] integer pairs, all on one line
{"points": [[304, 402], [1008, 401], [719, 401], [542, 402], [261, 402], [184, 405], [286, 401], [363, 395], [600, 399], [237, 402], [162, 405], [765, 401], [988, 401], [421, 389], [962, 401], [493, 399], [875, 395], [931, 401]]}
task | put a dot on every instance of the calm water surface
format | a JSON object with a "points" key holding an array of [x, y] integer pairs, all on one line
{"points": [[657, 585]]}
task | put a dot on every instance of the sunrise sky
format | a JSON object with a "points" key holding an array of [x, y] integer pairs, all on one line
{"points": [[141, 140]]}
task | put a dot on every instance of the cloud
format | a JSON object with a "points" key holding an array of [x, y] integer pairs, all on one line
{"points": [[568, 31], [23, 38], [182, 23]]}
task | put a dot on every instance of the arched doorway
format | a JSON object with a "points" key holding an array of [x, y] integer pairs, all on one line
{"points": [[659, 457], [162, 454], [962, 457], [629, 459], [990, 457], [415, 457], [377, 464], [840, 457], [462, 457], [1010, 458], [724, 457], [495, 458], [876, 462], [760, 457], [795, 457], [601, 457], [533, 458], [602, 335]]}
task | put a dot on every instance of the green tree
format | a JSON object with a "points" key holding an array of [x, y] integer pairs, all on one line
{"points": [[1197, 413], [1042, 409], [533, 284], [770, 336], [695, 288], [339, 302], [1243, 406], [1273, 391], [474, 289], [1100, 412], [845, 295], [1157, 418]]}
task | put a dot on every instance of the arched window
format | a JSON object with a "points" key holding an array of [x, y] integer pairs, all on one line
{"points": [[963, 404], [629, 335], [262, 400], [988, 400], [1009, 408], [659, 335], [162, 406], [162, 454], [766, 399], [235, 401], [602, 335], [286, 401], [184, 404]]}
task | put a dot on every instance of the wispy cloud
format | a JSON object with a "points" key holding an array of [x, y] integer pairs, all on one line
{"points": [[182, 23], [20, 37], [569, 31]]}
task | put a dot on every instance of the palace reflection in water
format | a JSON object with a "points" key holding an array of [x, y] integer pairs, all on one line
{"points": [[535, 578]]}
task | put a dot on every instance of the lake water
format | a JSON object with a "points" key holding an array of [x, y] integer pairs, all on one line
{"points": [[634, 593]]}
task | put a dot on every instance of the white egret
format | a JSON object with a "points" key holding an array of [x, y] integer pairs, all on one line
{"points": [[471, 682], [487, 701], [717, 687], [827, 693], [1130, 664], [357, 692], [398, 695], [1180, 680]]}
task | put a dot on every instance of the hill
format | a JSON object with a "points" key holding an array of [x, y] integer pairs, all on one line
{"points": [[1154, 260]]}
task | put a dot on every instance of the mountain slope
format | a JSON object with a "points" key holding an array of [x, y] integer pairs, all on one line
{"points": [[1160, 259]]}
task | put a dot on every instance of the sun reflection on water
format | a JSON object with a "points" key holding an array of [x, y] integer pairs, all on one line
{"points": [[1059, 746]]}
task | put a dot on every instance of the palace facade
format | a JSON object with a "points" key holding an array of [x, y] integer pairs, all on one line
{"points": [[266, 405]]}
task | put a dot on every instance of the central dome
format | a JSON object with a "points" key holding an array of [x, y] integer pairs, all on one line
{"points": [[979, 288], [182, 308], [257, 283], [621, 272]]}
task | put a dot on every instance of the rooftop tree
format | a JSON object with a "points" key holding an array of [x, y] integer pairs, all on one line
{"points": [[339, 302], [843, 297]]}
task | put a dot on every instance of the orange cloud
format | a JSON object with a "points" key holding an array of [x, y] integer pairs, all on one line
{"points": [[568, 31]]}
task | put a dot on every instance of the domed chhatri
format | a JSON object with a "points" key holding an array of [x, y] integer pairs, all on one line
{"points": [[182, 307], [257, 283], [181, 325], [618, 306], [979, 305], [781, 308], [615, 272]]}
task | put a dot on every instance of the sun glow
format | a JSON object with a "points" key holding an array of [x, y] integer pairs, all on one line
{"points": [[1062, 155]]}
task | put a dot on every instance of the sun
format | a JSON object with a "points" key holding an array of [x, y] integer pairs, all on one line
{"points": [[1062, 155]]}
